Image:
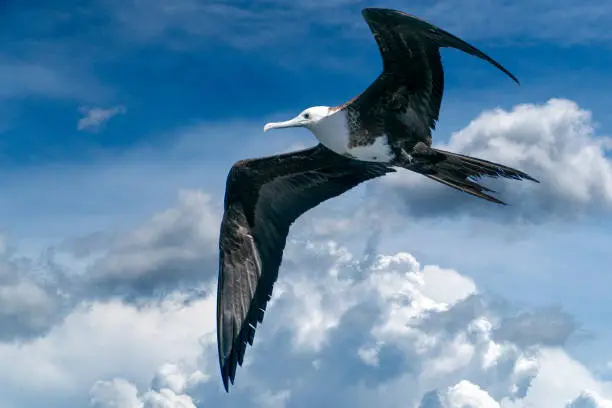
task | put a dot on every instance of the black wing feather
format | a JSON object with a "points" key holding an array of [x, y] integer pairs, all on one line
{"points": [[410, 25], [411, 85], [263, 198]]}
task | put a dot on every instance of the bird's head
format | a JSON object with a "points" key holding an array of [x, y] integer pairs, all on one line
{"points": [[308, 118]]}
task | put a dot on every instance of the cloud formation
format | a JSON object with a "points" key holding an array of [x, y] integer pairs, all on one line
{"points": [[554, 142], [549, 327], [462, 395], [175, 249], [98, 341], [95, 117], [30, 304], [167, 391], [334, 336], [342, 329], [588, 399]]}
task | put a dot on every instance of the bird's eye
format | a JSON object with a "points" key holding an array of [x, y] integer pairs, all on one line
{"points": [[307, 116]]}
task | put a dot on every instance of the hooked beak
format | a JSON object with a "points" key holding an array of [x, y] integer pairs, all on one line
{"points": [[295, 122]]}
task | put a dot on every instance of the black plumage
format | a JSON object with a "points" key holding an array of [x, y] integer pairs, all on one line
{"points": [[411, 84], [263, 198], [403, 103]]}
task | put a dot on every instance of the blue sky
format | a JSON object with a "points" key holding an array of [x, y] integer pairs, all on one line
{"points": [[61, 57], [120, 119]]}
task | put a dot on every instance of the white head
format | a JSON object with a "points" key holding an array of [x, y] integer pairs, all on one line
{"points": [[308, 118]]}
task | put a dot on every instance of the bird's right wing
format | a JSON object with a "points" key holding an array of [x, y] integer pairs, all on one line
{"points": [[263, 198], [394, 32], [412, 81]]}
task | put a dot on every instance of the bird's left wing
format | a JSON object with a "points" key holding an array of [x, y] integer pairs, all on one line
{"points": [[263, 198]]}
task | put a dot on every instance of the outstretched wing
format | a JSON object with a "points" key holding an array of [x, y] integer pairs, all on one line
{"points": [[412, 82], [263, 198]]}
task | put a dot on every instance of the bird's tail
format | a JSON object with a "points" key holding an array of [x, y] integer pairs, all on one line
{"points": [[459, 171]]}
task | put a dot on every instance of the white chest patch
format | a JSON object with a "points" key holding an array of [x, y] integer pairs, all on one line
{"points": [[379, 151], [333, 133]]}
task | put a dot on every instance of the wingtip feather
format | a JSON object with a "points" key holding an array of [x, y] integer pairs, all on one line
{"points": [[224, 378], [396, 17]]}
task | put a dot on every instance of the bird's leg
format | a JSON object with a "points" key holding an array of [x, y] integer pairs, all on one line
{"points": [[402, 158], [420, 156], [407, 158]]}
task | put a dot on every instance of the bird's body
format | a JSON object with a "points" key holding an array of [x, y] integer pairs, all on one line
{"points": [[391, 121], [336, 132], [388, 125]]}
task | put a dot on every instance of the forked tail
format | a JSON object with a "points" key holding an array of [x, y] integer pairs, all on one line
{"points": [[459, 171]]}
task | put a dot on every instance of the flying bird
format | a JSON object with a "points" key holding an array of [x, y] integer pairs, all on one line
{"points": [[388, 125]]}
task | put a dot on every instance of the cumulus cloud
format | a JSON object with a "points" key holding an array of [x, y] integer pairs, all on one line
{"points": [[554, 142], [463, 395], [549, 326], [116, 393], [26, 308], [106, 345], [334, 328], [339, 331], [30, 304], [336, 336], [167, 391], [175, 249], [588, 399], [560, 380], [344, 328], [95, 117]]}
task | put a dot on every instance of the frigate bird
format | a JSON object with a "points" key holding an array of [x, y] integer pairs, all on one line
{"points": [[388, 125], [392, 120]]}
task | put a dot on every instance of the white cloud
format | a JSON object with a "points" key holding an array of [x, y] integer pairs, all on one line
{"points": [[446, 285], [30, 304], [175, 378], [273, 400], [339, 331], [463, 395], [175, 248], [96, 117], [562, 379], [554, 142], [548, 326], [167, 391], [166, 398], [117, 393], [99, 341], [588, 399]]}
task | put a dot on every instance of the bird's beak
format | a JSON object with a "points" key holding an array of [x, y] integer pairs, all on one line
{"points": [[295, 122]]}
